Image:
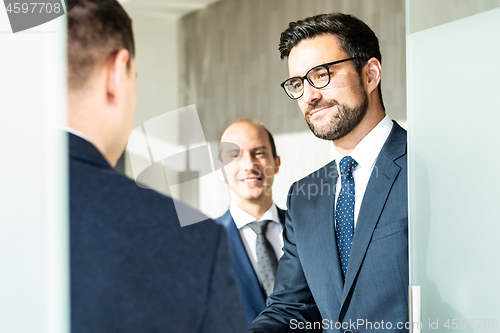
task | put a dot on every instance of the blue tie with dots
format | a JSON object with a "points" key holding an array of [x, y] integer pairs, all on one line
{"points": [[344, 213], [266, 257]]}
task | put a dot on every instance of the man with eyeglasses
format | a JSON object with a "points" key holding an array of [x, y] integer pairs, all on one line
{"points": [[345, 262]]}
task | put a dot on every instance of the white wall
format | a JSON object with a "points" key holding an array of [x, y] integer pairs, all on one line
{"points": [[453, 117], [157, 62], [157, 52], [34, 235]]}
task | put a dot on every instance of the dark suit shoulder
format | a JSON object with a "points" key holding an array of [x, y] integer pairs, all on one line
{"points": [[93, 182], [395, 146], [325, 173], [225, 219], [103, 200], [134, 268]]}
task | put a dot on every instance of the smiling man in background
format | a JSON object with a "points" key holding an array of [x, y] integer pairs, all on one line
{"points": [[254, 223], [345, 262]]}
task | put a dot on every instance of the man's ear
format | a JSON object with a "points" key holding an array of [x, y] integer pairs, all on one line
{"points": [[373, 70], [277, 164], [117, 70]]}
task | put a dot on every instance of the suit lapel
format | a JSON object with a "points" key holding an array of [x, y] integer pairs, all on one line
{"points": [[324, 216], [243, 269], [281, 215], [381, 180]]}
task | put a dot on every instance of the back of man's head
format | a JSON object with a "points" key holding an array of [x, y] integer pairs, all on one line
{"points": [[97, 29], [101, 75]]}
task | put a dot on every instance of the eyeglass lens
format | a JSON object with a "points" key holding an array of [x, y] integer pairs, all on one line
{"points": [[318, 77]]}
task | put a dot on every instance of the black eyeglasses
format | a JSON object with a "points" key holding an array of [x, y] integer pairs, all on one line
{"points": [[318, 77]]}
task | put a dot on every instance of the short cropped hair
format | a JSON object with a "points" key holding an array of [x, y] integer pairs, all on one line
{"points": [[355, 37], [256, 123], [97, 29]]}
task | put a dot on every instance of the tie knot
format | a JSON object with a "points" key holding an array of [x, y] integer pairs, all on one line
{"points": [[347, 165], [259, 227]]}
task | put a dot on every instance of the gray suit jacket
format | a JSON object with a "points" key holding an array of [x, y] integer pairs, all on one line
{"points": [[309, 283]]}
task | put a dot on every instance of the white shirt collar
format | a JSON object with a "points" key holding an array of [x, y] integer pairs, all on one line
{"points": [[367, 150], [242, 218], [75, 132]]}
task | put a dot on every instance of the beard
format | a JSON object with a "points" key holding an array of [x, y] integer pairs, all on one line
{"points": [[338, 125]]}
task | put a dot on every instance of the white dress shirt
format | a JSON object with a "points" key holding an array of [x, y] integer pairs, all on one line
{"points": [[249, 237], [365, 153]]}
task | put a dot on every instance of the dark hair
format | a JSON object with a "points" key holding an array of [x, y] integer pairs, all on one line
{"points": [[256, 123], [97, 29], [355, 37]]}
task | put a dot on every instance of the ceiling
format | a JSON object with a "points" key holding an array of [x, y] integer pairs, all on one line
{"points": [[172, 8]]}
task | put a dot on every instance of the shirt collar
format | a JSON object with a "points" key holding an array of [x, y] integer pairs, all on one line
{"points": [[367, 150], [242, 218], [75, 132]]}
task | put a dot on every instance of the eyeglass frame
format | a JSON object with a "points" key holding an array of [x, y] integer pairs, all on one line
{"points": [[327, 66]]}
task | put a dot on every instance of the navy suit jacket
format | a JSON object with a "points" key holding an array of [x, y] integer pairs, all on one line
{"points": [[309, 282], [133, 268], [251, 294]]}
